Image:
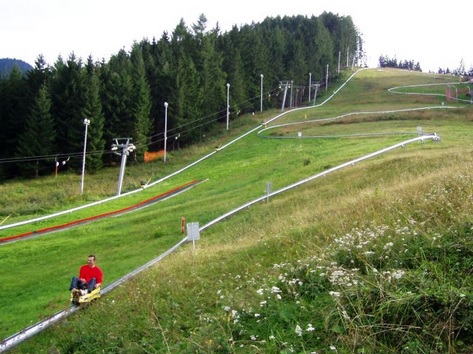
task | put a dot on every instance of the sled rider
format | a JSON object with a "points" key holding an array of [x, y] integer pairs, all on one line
{"points": [[90, 276]]}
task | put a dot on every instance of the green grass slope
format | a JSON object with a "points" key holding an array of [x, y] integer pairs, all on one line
{"points": [[374, 258]]}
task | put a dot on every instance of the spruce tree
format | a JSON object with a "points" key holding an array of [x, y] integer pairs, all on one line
{"points": [[233, 66], [153, 75], [67, 93], [118, 98], [164, 92], [93, 111], [324, 49], [13, 114], [213, 79], [185, 100], [36, 144], [141, 108]]}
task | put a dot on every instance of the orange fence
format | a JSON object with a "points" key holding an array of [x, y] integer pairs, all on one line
{"points": [[153, 155]]}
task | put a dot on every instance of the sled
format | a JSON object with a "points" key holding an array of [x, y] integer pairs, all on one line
{"points": [[80, 297]]}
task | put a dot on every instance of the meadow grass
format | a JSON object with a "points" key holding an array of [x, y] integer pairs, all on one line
{"points": [[373, 258]]}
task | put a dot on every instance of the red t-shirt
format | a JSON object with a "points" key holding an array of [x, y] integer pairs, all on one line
{"points": [[88, 273]]}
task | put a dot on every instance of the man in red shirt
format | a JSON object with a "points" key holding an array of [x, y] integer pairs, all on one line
{"points": [[90, 276]]}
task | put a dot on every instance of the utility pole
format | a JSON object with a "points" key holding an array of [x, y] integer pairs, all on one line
{"points": [[348, 51], [86, 123], [261, 94], [125, 149], [286, 85], [228, 105], [291, 97], [326, 80], [165, 129], [339, 54], [310, 84], [315, 93]]}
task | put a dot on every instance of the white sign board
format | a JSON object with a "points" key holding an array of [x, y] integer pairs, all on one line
{"points": [[193, 232]]}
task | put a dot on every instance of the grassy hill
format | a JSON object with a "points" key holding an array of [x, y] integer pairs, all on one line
{"points": [[374, 258]]}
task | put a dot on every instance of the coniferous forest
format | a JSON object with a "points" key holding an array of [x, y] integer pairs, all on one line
{"points": [[42, 111]]}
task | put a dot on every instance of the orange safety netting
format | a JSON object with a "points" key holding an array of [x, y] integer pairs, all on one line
{"points": [[153, 155]]}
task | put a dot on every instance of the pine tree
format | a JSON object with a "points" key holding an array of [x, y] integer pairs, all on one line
{"points": [[233, 66], [141, 103], [213, 79], [14, 107], [37, 141], [150, 54], [324, 49], [255, 54], [185, 100], [93, 111], [165, 87], [67, 93], [117, 102], [37, 77], [278, 42]]}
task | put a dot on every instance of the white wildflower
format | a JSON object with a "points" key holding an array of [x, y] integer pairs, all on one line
{"points": [[398, 274]]}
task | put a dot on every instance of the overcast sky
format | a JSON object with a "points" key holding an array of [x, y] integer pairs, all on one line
{"points": [[427, 32]]}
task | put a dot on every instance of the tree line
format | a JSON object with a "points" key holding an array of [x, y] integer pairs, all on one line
{"points": [[42, 112], [386, 62]]}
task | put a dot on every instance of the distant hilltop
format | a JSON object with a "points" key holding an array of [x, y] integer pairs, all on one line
{"points": [[6, 65]]}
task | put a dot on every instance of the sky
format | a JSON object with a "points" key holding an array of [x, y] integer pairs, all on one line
{"points": [[429, 33]]}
